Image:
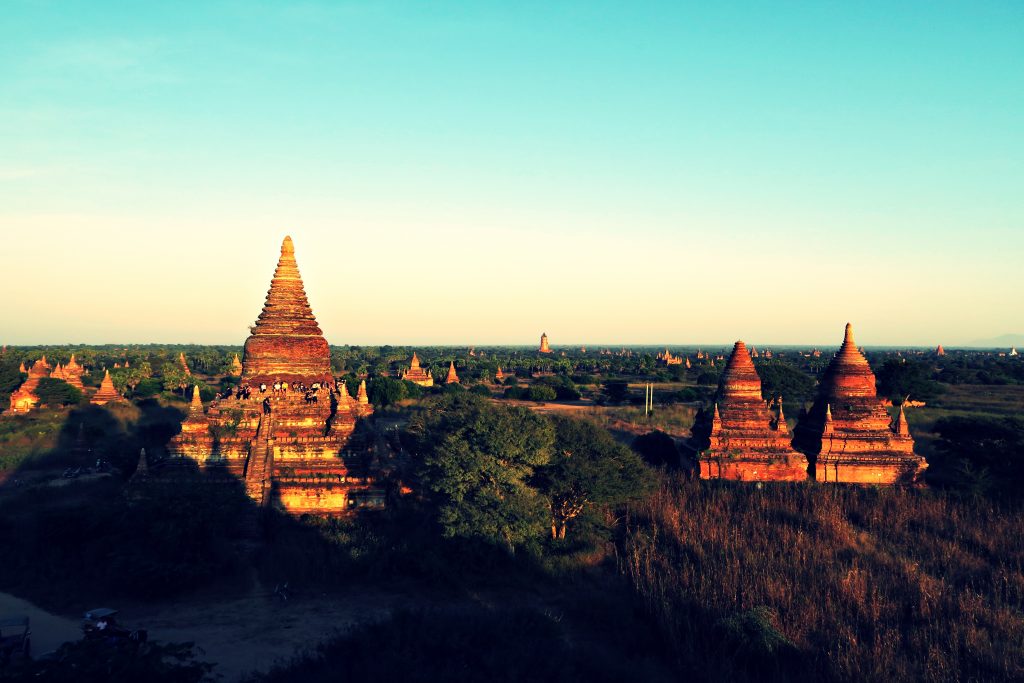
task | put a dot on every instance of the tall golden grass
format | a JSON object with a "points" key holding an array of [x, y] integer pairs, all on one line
{"points": [[812, 582]]}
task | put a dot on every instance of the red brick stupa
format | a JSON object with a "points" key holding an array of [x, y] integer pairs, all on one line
{"points": [[106, 393], [848, 434], [286, 343], [416, 374], [544, 348], [24, 399], [747, 440], [453, 377], [293, 447]]}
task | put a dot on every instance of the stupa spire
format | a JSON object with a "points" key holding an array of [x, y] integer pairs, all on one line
{"points": [[901, 427], [197, 402], [286, 343], [106, 393]]}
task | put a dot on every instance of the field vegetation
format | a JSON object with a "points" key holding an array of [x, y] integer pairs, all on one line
{"points": [[598, 561]]}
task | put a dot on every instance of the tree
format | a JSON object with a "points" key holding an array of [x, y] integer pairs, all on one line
{"points": [[476, 458], [542, 392], [384, 391], [131, 377], [174, 377], [118, 661], [779, 379], [657, 448], [588, 468], [900, 379], [981, 446], [614, 391], [57, 392]]}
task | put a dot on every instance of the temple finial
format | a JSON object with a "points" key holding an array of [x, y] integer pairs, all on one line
{"points": [[287, 246], [848, 337]]}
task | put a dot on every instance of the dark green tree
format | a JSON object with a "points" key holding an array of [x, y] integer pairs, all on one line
{"points": [[588, 468], [900, 379], [476, 458], [57, 392]]}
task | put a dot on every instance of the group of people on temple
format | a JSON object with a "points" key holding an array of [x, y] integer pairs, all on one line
{"points": [[309, 393]]}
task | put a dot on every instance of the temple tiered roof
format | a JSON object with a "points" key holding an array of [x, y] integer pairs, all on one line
{"points": [[416, 374], [286, 343], [453, 377], [106, 393], [747, 441], [848, 434], [544, 348]]}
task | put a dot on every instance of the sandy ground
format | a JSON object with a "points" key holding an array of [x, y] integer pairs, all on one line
{"points": [[240, 634], [48, 630]]}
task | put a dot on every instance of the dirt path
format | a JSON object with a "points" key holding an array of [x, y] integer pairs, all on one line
{"points": [[240, 634]]}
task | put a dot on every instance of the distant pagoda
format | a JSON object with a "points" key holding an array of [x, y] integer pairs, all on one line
{"points": [[416, 374], [746, 441], [667, 358], [24, 398], [453, 377], [106, 393], [848, 434], [293, 448], [544, 348], [236, 367], [939, 351]]}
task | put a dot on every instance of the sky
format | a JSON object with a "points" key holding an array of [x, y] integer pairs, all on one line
{"points": [[480, 172]]}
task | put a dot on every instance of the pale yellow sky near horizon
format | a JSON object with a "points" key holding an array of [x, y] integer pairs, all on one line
{"points": [[404, 278]]}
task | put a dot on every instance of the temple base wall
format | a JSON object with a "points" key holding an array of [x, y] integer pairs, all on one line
{"points": [[753, 470]]}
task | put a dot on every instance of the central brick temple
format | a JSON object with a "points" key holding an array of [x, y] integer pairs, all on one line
{"points": [[290, 431]]}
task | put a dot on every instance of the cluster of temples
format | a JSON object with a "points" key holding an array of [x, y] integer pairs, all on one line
{"points": [[25, 398], [291, 437], [847, 436]]}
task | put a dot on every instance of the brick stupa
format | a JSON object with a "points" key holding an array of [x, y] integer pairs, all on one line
{"points": [[848, 434], [416, 374], [544, 348], [292, 448], [24, 399], [106, 393], [286, 343], [747, 440], [453, 377]]}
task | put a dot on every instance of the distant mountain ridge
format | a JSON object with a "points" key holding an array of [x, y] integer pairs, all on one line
{"points": [[1002, 340]]}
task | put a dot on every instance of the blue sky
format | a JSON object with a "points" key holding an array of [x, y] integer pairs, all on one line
{"points": [[479, 172]]}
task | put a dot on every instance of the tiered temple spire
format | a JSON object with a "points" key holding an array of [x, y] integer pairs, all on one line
{"points": [[544, 348], [286, 343], [848, 434], [106, 393], [747, 441], [453, 377], [416, 374]]}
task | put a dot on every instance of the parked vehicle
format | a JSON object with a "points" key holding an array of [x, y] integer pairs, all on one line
{"points": [[100, 623]]}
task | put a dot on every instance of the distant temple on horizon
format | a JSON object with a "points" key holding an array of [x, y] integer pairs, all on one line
{"points": [[667, 358], [291, 439], [416, 374], [544, 348], [24, 398]]}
